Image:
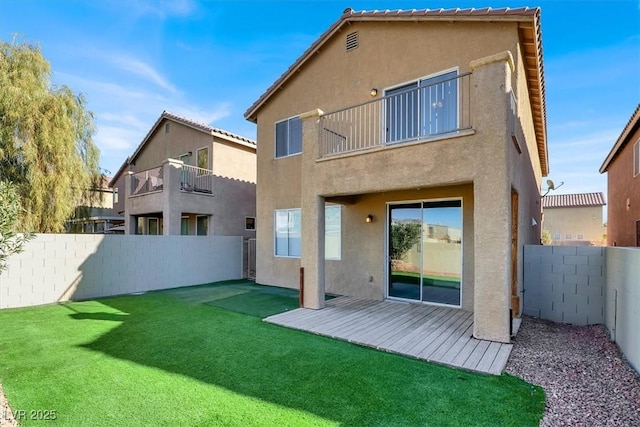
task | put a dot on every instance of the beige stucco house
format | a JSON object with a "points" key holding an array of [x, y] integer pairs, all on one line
{"points": [[401, 157], [574, 219], [188, 178]]}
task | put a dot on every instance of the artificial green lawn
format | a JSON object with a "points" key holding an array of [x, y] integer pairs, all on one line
{"points": [[176, 358]]}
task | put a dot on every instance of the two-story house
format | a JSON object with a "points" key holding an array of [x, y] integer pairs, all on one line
{"points": [[574, 219], [188, 178], [406, 133], [622, 166]]}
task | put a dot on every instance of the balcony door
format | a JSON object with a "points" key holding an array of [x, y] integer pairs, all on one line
{"points": [[425, 251], [423, 108]]}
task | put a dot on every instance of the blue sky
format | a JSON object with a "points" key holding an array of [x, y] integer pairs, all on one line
{"points": [[210, 60]]}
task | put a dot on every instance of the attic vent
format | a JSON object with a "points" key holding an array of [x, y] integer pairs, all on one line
{"points": [[352, 41], [167, 127]]}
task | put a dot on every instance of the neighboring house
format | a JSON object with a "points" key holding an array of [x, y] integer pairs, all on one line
{"points": [[574, 219], [406, 117], [99, 216], [623, 186], [188, 178]]}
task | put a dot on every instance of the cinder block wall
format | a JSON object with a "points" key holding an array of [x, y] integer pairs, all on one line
{"points": [[622, 307], [564, 283], [62, 267]]}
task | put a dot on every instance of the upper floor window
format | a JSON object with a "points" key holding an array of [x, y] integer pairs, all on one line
{"points": [[636, 158], [422, 108], [115, 195], [288, 137], [202, 158]]}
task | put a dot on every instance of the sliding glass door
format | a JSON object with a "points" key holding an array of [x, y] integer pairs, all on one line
{"points": [[425, 251]]}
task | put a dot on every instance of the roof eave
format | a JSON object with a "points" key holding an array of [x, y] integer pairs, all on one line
{"points": [[633, 123]]}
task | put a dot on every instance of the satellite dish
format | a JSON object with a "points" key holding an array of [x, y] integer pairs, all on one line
{"points": [[551, 185]]}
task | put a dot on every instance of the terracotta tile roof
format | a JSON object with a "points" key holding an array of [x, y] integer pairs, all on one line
{"points": [[529, 30], [573, 200], [634, 122]]}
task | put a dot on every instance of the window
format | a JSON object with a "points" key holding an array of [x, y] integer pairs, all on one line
{"points": [[636, 158], [203, 158], [580, 237], [154, 227], [287, 232], [115, 195], [332, 232], [422, 108], [249, 223], [167, 127], [184, 226], [202, 225], [288, 137], [567, 236], [557, 236]]}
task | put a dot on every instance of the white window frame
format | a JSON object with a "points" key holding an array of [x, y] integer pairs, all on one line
{"points": [[115, 195], [557, 236], [636, 158], [275, 138], [567, 236], [580, 236], [245, 223], [275, 231], [339, 226], [418, 80]]}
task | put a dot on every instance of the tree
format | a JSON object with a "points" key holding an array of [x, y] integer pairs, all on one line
{"points": [[46, 147], [10, 241], [403, 237], [546, 237]]}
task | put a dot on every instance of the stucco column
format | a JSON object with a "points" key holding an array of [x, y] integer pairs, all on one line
{"points": [[312, 208], [171, 206], [129, 220], [492, 198]]}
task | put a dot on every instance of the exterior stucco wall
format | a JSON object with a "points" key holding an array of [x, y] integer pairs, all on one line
{"points": [[162, 146], [623, 193], [480, 160], [585, 221]]}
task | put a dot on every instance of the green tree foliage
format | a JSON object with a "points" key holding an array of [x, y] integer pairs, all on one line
{"points": [[546, 237], [403, 237], [46, 147], [10, 241]]}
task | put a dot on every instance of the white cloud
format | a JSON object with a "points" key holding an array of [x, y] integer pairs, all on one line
{"points": [[161, 8], [219, 111], [139, 68]]}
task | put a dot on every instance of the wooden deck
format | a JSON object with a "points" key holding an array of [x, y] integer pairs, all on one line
{"points": [[435, 334]]}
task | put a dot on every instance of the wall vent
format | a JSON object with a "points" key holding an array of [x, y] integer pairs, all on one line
{"points": [[352, 41]]}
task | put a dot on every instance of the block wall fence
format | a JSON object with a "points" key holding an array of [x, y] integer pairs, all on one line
{"points": [[62, 267], [584, 285]]}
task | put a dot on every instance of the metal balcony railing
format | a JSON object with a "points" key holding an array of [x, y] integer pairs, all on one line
{"points": [[196, 179], [146, 181], [420, 113]]}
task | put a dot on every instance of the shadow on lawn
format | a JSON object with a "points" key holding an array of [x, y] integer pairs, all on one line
{"points": [[331, 379]]}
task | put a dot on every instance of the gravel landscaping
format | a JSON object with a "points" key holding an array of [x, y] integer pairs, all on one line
{"points": [[586, 379]]}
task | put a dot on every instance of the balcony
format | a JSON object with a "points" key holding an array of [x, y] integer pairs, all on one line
{"points": [[192, 180], [425, 110]]}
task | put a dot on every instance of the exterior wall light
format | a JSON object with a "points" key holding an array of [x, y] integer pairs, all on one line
{"points": [[368, 218], [374, 92]]}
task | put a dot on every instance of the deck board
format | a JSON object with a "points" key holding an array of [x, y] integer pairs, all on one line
{"points": [[426, 332]]}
